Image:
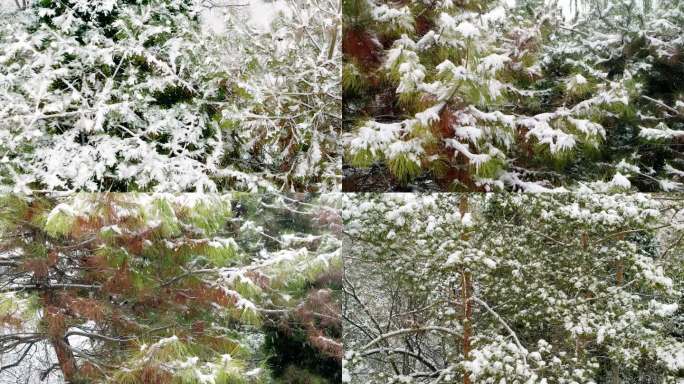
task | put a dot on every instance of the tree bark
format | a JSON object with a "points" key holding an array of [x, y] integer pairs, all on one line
{"points": [[65, 358], [60, 343], [466, 293]]}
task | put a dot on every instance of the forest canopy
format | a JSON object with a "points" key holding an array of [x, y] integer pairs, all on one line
{"points": [[133, 95], [513, 288], [169, 289], [527, 95]]}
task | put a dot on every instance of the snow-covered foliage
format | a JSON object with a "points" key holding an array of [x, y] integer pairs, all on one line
{"points": [[151, 288], [551, 288], [130, 95], [632, 47], [484, 96]]}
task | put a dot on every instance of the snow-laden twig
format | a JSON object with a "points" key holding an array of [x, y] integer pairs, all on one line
{"points": [[521, 350]]}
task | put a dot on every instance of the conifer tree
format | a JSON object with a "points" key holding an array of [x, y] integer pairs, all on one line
{"points": [[568, 288], [287, 110], [479, 95], [161, 288], [119, 95], [636, 46]]}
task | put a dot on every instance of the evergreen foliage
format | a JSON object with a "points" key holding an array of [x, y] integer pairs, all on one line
{"points": [[123, 95], [140, 288], [548, 288], [481, 95]]}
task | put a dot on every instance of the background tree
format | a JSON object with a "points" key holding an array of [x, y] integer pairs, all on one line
{"points": [[513, 288], [468, 96], [158, 288], [636, 44], [131, 96], [287, 110]]}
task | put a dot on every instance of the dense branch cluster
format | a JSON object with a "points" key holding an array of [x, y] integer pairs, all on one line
{"points": [[480, 95], [168, 288], [137, 95], [514, 288]]}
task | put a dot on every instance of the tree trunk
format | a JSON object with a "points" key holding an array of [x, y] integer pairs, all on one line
{"points": [[60, 343], [615, 374], [466, 293], [65, 358]]}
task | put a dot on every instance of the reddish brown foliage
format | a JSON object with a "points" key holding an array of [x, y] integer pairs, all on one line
{"points": [[52, 258], [326, 345], [146, 303], [121, 282], [11, 321], [321, 303], [96, 268], [320, 317], [424, 24], [362, 47], [135, 245], [88, 371], [458, 168], [259, 279], [153, 374], [55, 321], [198, 327], [330, 277], [446, 122], [205, 295], [86, 225], [39, 267], [331, 219], [526, 146], [90, 309], [121, 322]]}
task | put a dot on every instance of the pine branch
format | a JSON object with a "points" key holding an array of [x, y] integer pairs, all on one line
{"points": [[101, 337], [522, 350], [662, 104], [48, 287]]}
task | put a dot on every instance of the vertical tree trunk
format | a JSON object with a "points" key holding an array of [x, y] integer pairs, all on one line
{"points": [[59, 342], [466, 293], [65, 358]]}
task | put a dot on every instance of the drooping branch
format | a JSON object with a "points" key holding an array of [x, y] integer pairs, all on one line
{"points": [[405, 331], [505, 325], [19, 360], [100, 337], [401, 351], [48, 287]]}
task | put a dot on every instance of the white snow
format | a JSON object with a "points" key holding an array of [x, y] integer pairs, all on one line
{"points": [[467, 29], [660, 132], [621, 181]]}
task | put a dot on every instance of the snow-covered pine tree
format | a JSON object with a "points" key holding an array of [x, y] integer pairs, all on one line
{"points": [[107, 95], [636, 46], [465, 94], [119, 95], [288, 110], [562, 288], [165, 288]]}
